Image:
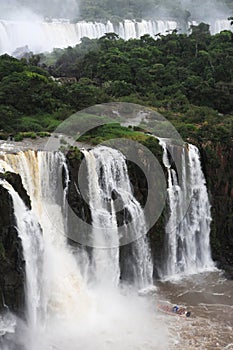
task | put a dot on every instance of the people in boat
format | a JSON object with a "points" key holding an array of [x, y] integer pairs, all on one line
{"points": [[176, 309], [181, 311]]}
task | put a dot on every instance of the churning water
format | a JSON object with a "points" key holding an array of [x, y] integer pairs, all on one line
{"points": [[70, 309], [69, 312], [188, 225]]}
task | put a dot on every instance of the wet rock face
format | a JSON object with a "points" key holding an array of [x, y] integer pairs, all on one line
{"points": [[75, 198], [12, 266], [16, 183], [157, 231], [217, 160], [78, 206]]}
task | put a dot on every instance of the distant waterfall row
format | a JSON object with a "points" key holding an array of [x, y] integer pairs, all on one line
{"points": [[44, 36]]}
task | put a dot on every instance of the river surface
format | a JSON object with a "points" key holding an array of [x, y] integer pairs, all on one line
{"points": [[209, 296], [128, 322]]}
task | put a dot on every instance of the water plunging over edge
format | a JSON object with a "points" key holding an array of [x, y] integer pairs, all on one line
{"points": [[110, 191], [188, 225]]}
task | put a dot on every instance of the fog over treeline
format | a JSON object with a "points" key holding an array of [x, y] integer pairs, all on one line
{"points": [[105, 9], [207, 8]]}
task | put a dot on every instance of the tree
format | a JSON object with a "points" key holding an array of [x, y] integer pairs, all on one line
{"points": [[9, 118], [9, 65]]}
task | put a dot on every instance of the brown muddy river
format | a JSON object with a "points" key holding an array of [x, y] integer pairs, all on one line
{"points": [[209, 296]]}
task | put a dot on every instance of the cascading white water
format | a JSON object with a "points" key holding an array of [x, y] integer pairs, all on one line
{"points": [[44, 36], [30, 233], [108, 177], [220, 24], [71, 315], [188, 226], [62, 286], [104, 223]]}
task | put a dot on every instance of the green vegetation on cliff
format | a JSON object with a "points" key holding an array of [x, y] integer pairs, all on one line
{"points": [[189, 79]]}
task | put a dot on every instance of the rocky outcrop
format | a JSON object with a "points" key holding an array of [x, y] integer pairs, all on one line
{"points": [[12, 265], [78, 206], [140, 190], [15, 181], [12, 271]]}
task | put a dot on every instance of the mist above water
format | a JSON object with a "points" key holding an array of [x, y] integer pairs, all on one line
{"points": [[188, 10], [28, 9], [206, 11]]}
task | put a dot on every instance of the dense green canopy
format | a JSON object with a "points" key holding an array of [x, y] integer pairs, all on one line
{"points": [[187, 78]]}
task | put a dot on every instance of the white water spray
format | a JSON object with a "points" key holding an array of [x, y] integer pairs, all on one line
{"points": [[108, 178], [30, 234], [188, 226], [63, 289], [71, 314]]}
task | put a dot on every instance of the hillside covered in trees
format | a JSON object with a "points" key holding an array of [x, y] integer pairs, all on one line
{"points": [[189, 79]]}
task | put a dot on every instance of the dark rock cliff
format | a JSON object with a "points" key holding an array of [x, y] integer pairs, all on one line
{"points": [[77, 200], [15, 181], [156, 232], [217, 160], [12, 265]]}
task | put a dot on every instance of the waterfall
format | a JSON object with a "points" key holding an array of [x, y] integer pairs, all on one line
{"points": [[30, 234], [109, 185], [63, 290], [219, 25], [188, 226], [105, 232], [41, 174], [39, 36], [63, 311], [44, 36]]}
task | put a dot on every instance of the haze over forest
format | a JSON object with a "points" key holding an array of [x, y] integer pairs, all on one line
{"points": [[106, 9]]}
